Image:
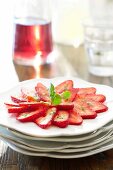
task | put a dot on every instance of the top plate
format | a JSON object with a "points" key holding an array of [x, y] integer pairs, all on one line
{"points": [[33, 130]]}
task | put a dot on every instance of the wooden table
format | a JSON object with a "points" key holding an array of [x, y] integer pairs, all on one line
{"points": [[70, 61]]}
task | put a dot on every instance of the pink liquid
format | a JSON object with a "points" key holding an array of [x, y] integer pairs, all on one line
{"points": [[32, 38]]}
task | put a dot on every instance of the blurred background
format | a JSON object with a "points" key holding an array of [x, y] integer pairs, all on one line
{"points": [[67, 16]]}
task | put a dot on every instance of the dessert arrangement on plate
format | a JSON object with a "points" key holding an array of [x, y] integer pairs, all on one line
{"points": [[73, 115]]}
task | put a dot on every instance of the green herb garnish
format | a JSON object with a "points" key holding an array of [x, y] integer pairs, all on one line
{"points": [[66, 95], [57, 98], [52, 92]]}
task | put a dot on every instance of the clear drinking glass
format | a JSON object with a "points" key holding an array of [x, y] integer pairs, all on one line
{"points": [[98, 41], [32, 32]]}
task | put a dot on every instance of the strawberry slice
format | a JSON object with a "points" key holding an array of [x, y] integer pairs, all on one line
{"points": [[11, 104], [17, 99], [65, 106], [29, 95], [46, 121], [66, 85], [42, 92], [87, 90], [73, 93], [84, 111], [31, 116], [95, 97], [98, 107], [31, 106], [61, 119], [75, 118], [15, 109], [34, 104]]}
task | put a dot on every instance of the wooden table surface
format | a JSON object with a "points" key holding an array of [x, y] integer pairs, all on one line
{"points": [[70, 61]]}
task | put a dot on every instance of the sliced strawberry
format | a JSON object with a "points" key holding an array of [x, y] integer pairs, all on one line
{"points": [[73, 93], [65, 106], [42, 92], [98, 107], [34, 104], [66, 85], [17, 99], [84, 111], [11, 104], [31, 116], [29, 95], [75, 118], [15, 109], [87, 90], [31, 106], [61, 119], [46, 121], [95, 97]]}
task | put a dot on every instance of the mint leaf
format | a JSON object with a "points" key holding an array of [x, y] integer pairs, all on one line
{"points": [[57, 99], [52, 91], [66, 95]]}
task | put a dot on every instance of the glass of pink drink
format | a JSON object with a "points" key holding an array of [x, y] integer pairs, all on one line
{"points": [[32, 39]]}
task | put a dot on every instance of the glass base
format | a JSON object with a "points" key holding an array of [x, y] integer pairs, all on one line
{"points": [[37, 60]]}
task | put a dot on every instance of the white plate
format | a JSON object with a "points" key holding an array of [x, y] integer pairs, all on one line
{"points": [[65, 150], [105, 147], [33, 130], [97, 133], [54, 146], [62, 145]]}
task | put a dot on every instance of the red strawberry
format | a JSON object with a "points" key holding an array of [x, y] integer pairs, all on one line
{"points": [[98, 107], [42, 92], [61, 119], [84, 111], [31, 116], [34, 104], [66, 85], [73, 93], [46, 121], [29, 95], [75, 118], [15, 109], [87, 90], [65, 106], [11, 104], [17, 99], [95, 97]]}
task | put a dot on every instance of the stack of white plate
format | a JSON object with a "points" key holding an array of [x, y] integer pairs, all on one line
{"points": [[62, 146], [93, 136]]}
